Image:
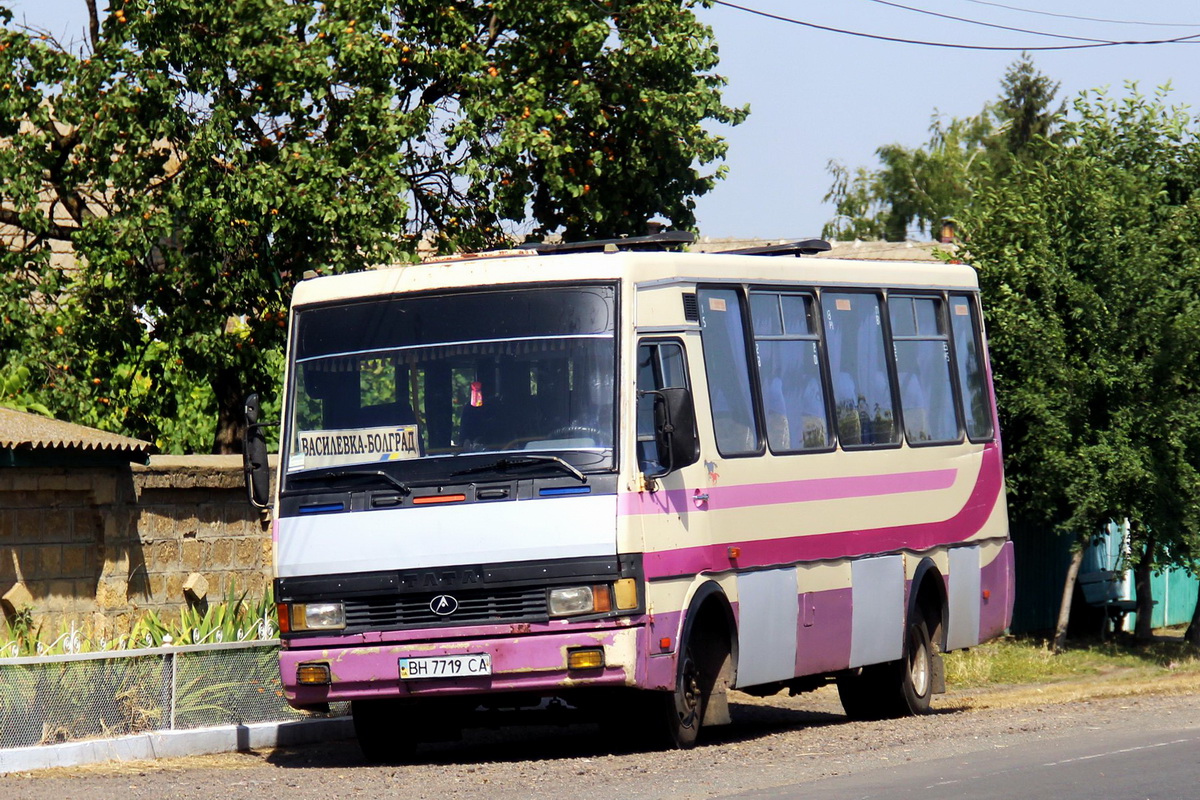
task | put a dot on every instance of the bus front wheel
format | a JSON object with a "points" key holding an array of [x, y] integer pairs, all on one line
{"points": [[685, 706], [381, 728], [671, 720]]}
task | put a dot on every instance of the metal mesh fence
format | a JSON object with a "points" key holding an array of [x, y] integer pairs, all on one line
{"points": [[64, 698]]}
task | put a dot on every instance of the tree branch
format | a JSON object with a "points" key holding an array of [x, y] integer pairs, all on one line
{"points": [[93, 24], [63, 144], [53, 230]]}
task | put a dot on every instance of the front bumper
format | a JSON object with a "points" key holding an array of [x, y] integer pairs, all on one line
{"points": [[534, 661]]}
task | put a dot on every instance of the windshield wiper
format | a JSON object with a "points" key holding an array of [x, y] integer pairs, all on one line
{"points": [[504, 464], [360, 474]]}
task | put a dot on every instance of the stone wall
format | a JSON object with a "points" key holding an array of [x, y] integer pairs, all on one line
{"points": [[98, 546]]}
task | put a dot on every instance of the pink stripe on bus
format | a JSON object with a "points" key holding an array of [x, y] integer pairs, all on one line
{"points": [[840, 544], [677, 501]]}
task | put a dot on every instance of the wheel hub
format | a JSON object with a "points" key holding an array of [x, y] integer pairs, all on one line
{"points": [[919, 670]]}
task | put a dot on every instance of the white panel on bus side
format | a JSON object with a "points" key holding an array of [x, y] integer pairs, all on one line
{"points": [[768, 617], [877, 615], [965, 599]]}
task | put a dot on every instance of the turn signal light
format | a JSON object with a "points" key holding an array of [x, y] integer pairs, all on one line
{"points": [[586, 658], [313, 674], [625, 591]]}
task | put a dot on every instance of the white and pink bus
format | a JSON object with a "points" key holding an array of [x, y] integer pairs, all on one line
{"points": [[633, 481]]}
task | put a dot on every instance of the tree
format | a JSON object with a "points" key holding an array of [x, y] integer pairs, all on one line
{"points": [[913, 187], [199, 157], [1090, 258], [1025, 113], [919, 187]]}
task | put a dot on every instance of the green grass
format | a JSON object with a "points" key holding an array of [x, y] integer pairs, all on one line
{"points": [[1029, 660]]}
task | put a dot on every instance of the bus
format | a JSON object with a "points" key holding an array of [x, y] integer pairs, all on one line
{"points": [[627, 481]]}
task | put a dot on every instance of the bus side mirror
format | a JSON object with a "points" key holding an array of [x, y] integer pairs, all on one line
{"points": [[675, 429], [254, 455]]}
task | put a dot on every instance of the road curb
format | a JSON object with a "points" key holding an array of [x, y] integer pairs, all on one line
{"points": [[173, 744]]}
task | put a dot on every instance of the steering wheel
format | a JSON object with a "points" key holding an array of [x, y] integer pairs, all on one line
{"points": [[577, 432]]}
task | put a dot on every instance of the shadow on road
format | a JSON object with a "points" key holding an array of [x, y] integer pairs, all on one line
{"points": [[532, 741]]}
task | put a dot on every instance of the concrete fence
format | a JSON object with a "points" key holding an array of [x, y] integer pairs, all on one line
{"points": [[97, 546]]}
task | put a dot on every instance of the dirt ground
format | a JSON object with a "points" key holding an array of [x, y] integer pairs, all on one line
{"points": [[775, 741]]}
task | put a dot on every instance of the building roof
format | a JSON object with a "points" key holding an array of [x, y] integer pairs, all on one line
{"points": [[31, 434], [855, 250]]}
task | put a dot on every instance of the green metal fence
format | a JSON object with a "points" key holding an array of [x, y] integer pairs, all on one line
{"points": [[1042, 559]]}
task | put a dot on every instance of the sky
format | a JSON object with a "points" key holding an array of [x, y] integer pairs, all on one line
{"points": [[817, 95]]}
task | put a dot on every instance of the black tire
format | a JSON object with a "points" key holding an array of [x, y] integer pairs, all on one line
{"points": [[896, 689], [380, 727], [858, 691], [685, 707], [916, 684], [672, 720]]}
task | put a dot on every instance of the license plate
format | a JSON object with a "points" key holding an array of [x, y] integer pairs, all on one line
{"points": [[445, 666]]}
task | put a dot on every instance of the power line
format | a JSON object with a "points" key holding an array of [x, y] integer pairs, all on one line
{"points": [[953, 45], [1087, 19], [988, 24]]}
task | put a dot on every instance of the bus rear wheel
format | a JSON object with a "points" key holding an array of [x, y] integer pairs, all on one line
{"points": [[895, 689], [916, 685]]}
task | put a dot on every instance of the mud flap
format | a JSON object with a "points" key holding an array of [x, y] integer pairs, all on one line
{"points": [[717, 710], [937, 678]]}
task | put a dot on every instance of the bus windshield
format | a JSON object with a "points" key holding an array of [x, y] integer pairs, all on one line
{"points": [[404, 382]]}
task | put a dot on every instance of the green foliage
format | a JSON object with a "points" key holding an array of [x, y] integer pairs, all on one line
{"points": [[15, 392], [227, 621], [233, 620], [1090, 260], [20, 634], [202, 156], [919, 187]]}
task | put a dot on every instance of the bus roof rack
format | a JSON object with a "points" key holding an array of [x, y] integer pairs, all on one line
{"points": [[801, 247], [667, 240]]}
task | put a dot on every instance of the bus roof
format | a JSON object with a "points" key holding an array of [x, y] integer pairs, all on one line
{"points": [[639, 267]]}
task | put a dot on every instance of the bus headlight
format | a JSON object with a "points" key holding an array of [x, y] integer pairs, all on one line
{"points": [[313, 617], [573, 600]]}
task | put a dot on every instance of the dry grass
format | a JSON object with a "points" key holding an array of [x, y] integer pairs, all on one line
{"points": [[1022, 671], [1107, 687]]}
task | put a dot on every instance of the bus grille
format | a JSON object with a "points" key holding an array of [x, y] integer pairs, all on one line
{"points": [[474, 608]]}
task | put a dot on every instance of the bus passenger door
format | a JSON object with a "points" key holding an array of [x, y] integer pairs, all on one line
{"points": [[673, 517], [672, 509]]}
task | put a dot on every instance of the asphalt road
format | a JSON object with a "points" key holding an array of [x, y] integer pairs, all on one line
{"points": [[1129, 748], [1159, 759]]}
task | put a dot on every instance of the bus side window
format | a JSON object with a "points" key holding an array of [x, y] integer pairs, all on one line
{"points": [[787, 342], [922, 351], [862, 390], [661, 365], [728, 366], [968, 356]]}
